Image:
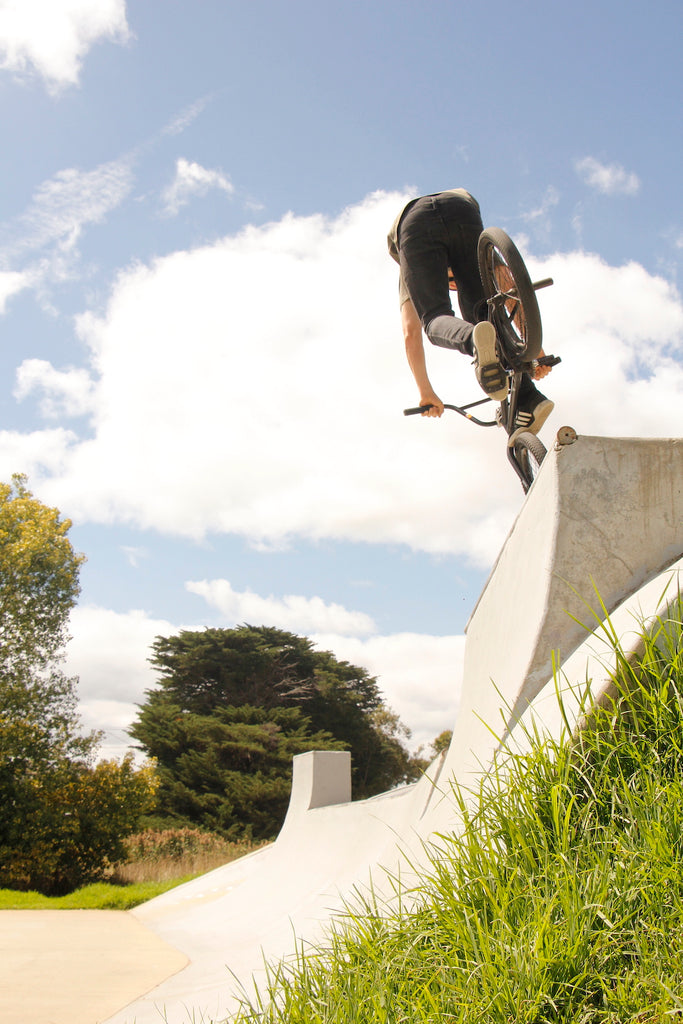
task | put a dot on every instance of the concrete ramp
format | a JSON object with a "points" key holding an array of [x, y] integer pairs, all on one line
{"points": [[604, 510], [604, 516], [595, 660]]}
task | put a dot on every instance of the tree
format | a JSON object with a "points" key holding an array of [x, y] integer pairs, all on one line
{"points": [[228, 772], [441, 742], [70, 824], [234, 705], [60, 817], [38, 588], [38, 580]]}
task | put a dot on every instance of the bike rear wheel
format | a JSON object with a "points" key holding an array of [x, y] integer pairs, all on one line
{"points": [[515, 311], [529, 453]]}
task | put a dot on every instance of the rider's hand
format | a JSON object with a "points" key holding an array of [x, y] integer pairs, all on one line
{"points": [[541, 371], [430, 398]]}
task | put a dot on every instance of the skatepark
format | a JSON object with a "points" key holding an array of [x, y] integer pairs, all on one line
{"points": [[600, 529]]}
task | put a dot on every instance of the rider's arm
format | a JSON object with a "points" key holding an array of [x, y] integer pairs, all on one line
{"points": [[412, 334]]}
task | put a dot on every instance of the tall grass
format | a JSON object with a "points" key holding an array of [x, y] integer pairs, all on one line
{"points": [[160, 855], [560, 901]]}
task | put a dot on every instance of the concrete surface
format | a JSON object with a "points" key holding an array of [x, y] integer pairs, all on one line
{"points": [[594, 660], [606, 509], [77, 966], [604, 516]]}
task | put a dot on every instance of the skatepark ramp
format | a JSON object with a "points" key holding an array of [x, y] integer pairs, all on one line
{"points": [[601, 530], [604, 517]]}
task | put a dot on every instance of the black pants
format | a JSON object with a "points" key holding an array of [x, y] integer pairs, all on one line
{"points": [[438, 232]]}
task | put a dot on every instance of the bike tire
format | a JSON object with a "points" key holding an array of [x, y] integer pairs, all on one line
{"points": [[529, 453], [517, 319]]}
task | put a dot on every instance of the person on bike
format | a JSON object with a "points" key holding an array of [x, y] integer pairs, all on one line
{"points": [[434, 240]]}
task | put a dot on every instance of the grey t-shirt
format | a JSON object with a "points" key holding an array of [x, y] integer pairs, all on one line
{"points": [[392, 237]]}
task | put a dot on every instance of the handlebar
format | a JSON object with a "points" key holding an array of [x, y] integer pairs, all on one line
{"points": [[419, 409], [462, 409]]}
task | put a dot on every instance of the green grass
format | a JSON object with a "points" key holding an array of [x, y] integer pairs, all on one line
{"points": [[159, 860], [99, 896], [560, 901]]}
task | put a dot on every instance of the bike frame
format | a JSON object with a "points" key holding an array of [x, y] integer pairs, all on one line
{"points": [[508, 412], [505, 417]]}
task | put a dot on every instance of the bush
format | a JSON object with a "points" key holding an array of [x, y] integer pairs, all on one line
{"points": [[69, 826], [160, 855]]}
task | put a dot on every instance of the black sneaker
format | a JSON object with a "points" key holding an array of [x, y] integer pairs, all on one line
{"points": [[491, 376], [531, 415]]}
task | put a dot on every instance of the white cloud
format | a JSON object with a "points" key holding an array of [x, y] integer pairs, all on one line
{"points": [[62, 206], [53, 36], [539, 217], [291, 612], [11, 282], [255, 387], [35, 452], [134, 555], [611, 179], [419, 675], [551, 198], [108, 654], [63, 392], [185, 118], [45, 237], [619, 331], [191, 179]]}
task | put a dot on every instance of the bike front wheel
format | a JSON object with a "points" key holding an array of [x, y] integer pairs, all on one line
{"points": [[511, 297], [529, 453]]}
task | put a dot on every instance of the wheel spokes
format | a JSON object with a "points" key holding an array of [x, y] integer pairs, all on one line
{"points": [[505, 283]]}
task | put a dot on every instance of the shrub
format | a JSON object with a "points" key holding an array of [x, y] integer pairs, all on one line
{"points": [[160, 855], [71, 825]]}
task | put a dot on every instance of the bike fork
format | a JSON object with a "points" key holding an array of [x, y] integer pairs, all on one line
{"points": [[508, 413]]}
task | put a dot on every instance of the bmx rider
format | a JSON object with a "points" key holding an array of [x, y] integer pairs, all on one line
{"points": [[434, 240]]}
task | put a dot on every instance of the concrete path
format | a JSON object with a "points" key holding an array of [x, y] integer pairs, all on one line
{"points": [[77, 966]]}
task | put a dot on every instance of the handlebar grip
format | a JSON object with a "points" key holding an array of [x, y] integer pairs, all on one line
{"points": [[417, 410], [549, 360]]}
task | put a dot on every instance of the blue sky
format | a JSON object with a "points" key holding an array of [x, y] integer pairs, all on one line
{"points": [[202, 362]]}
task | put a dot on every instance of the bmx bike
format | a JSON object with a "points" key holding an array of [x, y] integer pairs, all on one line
{"points": [[512, 308]]}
